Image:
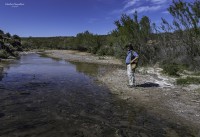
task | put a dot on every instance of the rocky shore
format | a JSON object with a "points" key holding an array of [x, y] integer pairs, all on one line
{"points": [[157, 93]]}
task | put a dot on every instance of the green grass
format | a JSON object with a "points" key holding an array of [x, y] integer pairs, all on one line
{"points": [[188, 80]]}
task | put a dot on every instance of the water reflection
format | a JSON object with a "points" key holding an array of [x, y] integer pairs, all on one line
{"points": [[1, 73], [35, 73], [87, 68]]}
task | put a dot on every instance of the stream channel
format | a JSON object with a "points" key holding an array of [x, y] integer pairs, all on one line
{"points": [[45, 97]]}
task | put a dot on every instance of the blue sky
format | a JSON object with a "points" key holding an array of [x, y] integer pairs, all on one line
{"points": [[68, 17]]}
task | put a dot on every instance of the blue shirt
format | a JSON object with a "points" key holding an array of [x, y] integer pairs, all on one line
{"points": [[128, 57]]}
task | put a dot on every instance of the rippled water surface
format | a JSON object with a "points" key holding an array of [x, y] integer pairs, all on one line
{"points": [[33, 72], [43, 97]]}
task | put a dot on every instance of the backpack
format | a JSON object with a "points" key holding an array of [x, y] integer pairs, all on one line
{"points": [[133, 65]]}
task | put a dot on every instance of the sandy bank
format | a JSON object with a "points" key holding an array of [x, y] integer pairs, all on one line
{"points": [[157, 93], [77, 56]]}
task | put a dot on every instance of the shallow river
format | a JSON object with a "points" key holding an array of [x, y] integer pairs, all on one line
{"points": [[44, 97]]}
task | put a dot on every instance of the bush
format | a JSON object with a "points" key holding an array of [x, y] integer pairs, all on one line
{"points": [[3, 54], [16, 54], [172, 69], [119, 52], [104, 50], [188, 80]]}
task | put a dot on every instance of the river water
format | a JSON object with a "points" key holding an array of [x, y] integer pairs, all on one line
{"points": [[44, 97]]}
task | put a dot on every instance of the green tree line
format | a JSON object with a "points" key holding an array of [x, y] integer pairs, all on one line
{"points": [[177, 42]]}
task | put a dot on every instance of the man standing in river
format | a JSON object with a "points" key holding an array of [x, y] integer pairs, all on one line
{"points": [[131, 61]]}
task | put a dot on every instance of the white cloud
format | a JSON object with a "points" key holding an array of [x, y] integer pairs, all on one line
{"points": [[165, 12], [130, 6], [130, 3], [144, 9], [158, 1]]}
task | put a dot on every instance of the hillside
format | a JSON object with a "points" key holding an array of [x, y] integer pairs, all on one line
{"points": [[9, 45]]}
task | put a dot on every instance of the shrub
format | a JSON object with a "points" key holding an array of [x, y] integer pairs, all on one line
{"points": [[188, 80], [105, 50], [3, 54], [172, 69], [16, 54]]}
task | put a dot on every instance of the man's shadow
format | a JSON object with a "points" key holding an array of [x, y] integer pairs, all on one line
{"points": [[148, 85]]}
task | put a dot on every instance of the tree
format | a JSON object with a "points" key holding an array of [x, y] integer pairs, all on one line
{"points": [[145, 28], [8, 35], [187, 21], [187, 15], [1, 32], [16, 37], [87, 41], [127, 30], [132, 30]]}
